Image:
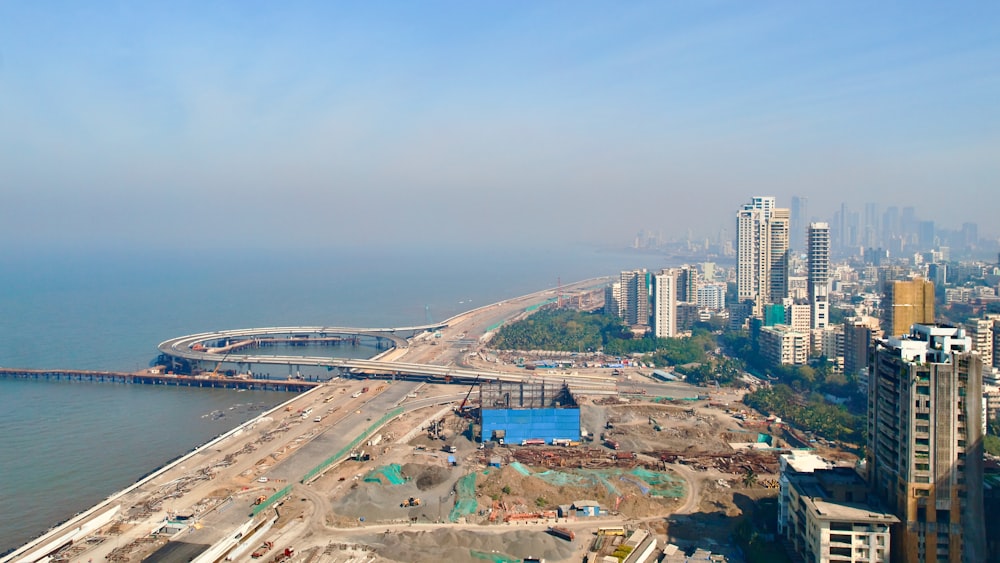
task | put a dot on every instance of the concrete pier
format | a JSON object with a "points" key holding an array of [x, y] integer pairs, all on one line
{"points": [[148, 378]]}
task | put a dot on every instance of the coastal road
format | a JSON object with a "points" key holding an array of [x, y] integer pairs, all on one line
{"points": [[216, 484]]}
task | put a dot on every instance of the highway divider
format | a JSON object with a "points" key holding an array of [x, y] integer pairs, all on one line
{"points": [[271, 500], [319, 469]]}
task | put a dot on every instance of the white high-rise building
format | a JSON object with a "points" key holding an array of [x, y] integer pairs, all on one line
{"points": [[762, 255], [712, 296], [819, 274], [665, 304]]}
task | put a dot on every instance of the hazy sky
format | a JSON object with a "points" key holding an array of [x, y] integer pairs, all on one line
{"points": [[179, 123]]}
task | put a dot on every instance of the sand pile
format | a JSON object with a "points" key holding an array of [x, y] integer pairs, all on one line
{"points": [[380, 501], [426, 477], [459, 547]]}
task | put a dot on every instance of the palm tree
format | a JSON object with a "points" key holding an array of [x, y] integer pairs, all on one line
{"points": [[749, 478]]}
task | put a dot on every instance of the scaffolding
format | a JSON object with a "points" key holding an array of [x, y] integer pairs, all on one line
{"points": [[501, 395]]}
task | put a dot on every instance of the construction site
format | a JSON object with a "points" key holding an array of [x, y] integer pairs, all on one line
{"points": [[677, 471], [507, 472]]}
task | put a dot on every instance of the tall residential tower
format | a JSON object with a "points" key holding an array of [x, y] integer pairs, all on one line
{"points": [[762, 254], [819, 274], [925, 449], [665, 304]]}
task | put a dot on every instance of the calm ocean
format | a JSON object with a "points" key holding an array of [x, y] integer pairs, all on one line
{"points": [[65, 446]]}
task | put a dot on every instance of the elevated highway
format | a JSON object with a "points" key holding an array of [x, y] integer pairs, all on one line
{"points": [[183, 347]]}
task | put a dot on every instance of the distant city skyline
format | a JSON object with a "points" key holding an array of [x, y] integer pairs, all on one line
{"points": [[230, 123], [866, 225]]}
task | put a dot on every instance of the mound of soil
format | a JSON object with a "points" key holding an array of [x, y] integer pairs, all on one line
{"points": [[426, 476], [457, 546]]}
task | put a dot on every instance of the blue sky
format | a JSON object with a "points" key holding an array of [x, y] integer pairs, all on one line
{"points": [[522, 121]]}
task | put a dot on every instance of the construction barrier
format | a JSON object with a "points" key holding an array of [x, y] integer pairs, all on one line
{"points": [[271, 500], [354, 443]]}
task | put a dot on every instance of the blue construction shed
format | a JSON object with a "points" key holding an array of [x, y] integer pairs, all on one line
{"points": [[528, 412]]}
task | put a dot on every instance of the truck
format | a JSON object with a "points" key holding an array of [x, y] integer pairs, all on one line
{"points": [[563, 533], [533, 442], [611, 444], [260, 551]]}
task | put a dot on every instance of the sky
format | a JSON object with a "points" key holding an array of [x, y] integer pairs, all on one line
{"points": [[234, 123]]}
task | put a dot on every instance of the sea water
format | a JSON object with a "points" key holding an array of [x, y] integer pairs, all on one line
{"points": [[64, 446]]}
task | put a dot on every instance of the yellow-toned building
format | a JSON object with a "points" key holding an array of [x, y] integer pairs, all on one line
{"points": [[907, 303]]}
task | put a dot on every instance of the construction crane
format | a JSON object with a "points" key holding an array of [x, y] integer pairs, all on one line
{"points": [[215, 372], [461, 407]]}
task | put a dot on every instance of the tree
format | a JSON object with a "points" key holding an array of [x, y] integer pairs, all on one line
{"points": [[749, 478]]}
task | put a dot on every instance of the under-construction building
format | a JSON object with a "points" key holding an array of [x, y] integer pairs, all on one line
{"points": [[518, 413]]}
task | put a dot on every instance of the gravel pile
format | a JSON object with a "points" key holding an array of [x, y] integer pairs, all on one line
{"points": [[457, 546]]}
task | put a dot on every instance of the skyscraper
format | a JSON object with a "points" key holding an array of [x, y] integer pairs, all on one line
{"points": [[819, 274], [665, 304], [687, 284], [906, 303], [870, 233], [634, 300], [778, 254], [762, 255], [800, 215], [925, 451]]}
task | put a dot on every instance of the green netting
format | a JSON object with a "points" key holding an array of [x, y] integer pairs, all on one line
{"points": [[354, 443], [538, 306], [660, 484], [465, 498], [520, 468], [270, 500], [387, 474], [653, 483], [495, 557], [580, 478]]}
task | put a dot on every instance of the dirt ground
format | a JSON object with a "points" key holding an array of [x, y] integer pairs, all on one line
{"points": [[692, 445]]}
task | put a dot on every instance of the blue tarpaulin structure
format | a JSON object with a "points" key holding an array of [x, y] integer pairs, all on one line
{"points": [[530, 424]]}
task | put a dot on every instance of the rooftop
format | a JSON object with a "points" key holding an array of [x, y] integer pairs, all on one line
{"points": [[803, 461], [853, 512]]}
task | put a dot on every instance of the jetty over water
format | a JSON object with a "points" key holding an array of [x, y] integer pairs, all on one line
{"points": [[159, 379]]}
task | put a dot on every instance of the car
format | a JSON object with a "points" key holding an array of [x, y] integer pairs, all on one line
{"points": [[262, 480]]}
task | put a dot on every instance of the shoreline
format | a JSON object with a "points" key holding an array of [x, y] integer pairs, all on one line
{"points": [[78, 519], [74, 523]]}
